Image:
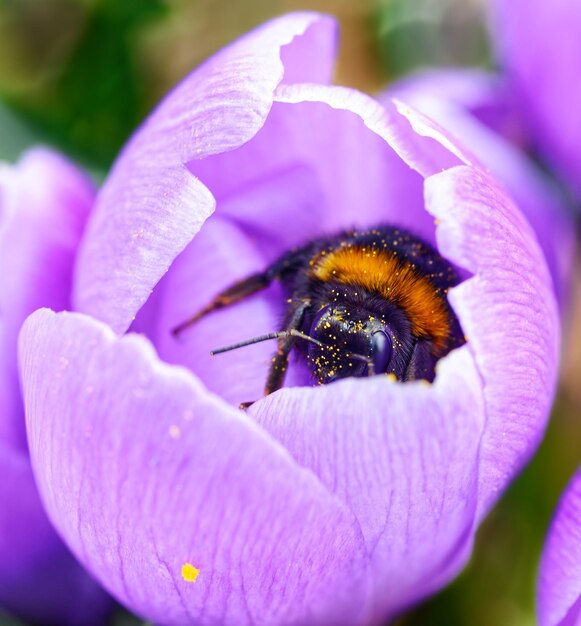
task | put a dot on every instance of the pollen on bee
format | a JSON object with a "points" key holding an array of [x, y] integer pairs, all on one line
{"points": [[397, 281], [190, 573]]}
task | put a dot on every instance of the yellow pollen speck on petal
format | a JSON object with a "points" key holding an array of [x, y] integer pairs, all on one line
{"points": [[190, 573], [391, 377], [174, 431]]}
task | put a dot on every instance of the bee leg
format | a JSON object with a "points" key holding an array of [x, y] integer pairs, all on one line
{"points": [[236, 292], [279, 363], [287, 265]]}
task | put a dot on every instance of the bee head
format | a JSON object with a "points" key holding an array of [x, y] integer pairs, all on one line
{"points": [[354, 343]]}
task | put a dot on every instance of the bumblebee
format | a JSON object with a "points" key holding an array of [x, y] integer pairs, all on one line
{"points": [[360, 303]]}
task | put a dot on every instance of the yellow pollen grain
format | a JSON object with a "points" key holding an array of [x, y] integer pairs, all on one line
{"points": [[174, 431], [190, 573]]}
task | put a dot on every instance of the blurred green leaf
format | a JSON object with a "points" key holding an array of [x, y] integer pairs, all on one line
{"points": [[89, 102], [416, 34], [7, 620]]}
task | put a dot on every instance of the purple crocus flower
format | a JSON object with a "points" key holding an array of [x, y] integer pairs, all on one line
{"points": [[559, 593], [337, 504], [44, 203], [539, 46]]}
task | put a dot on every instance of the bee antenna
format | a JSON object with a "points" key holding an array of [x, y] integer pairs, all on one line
{"points": [[276, 335]]}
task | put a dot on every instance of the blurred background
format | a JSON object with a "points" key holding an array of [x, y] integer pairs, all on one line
{"points": [[81, 74]]}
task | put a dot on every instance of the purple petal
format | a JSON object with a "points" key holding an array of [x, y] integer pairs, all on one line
{"points": [[151, 206], [44, 202], [336, 135], [508, 313], [404, 457], [475, 108], [539, 45], [145, 473], [559, 601], [40, 581]]}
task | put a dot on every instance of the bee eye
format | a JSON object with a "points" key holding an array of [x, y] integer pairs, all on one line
{"points": [[381, 350]]}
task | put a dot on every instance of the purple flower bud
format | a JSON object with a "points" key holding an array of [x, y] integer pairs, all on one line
{"points": [[539, 46], [44, 204], [559, 591]]}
